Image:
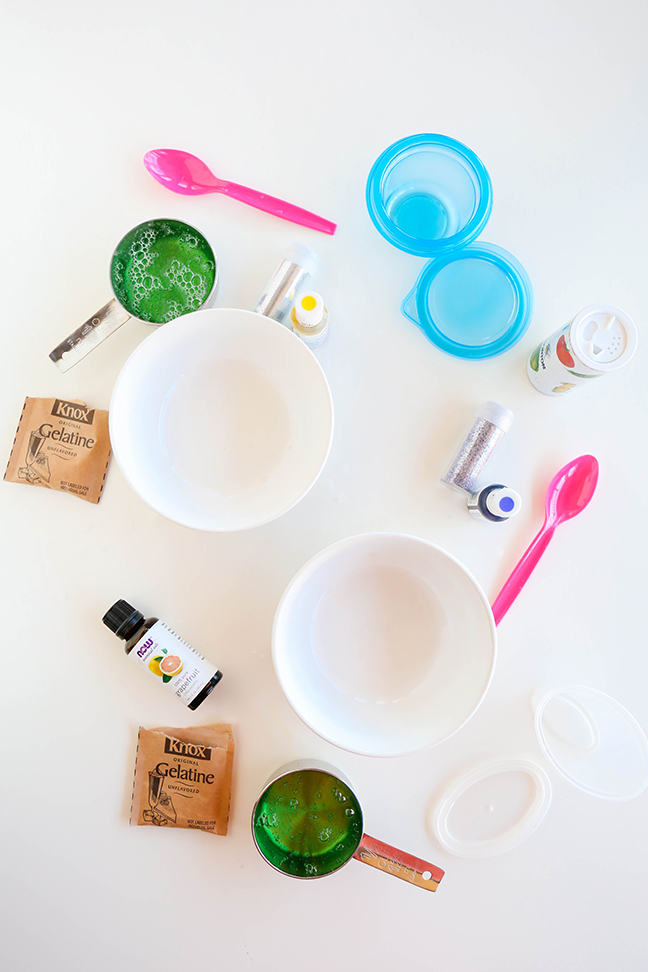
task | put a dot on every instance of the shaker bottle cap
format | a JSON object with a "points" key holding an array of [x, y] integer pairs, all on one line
{"points": [[604, 337]]}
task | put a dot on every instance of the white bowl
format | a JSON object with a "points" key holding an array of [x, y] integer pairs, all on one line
{"points": [[221, 420], [384, 644]]}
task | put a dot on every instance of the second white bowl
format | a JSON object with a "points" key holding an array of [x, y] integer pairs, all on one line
{"points": [[384, 644], [221, 420]]}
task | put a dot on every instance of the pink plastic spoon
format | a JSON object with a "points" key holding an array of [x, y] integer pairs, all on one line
{"points": [[568, 494], [184, 173]]}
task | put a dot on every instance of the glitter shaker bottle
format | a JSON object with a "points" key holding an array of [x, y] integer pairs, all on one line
{"points": [[299, 263], [491, 424], [600, 339]]}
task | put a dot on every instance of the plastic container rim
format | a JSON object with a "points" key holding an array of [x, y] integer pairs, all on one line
{"points": [[428, 248], [506, 263]]}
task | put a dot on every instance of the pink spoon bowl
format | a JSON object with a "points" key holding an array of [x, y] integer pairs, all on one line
{"points": [[188, 175]]}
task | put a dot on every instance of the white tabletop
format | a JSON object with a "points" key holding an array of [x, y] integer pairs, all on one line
{"points": [[298, 100]]}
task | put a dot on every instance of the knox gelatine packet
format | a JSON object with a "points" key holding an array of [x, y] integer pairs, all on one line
{"points": [[183, 778], [62, 445]]}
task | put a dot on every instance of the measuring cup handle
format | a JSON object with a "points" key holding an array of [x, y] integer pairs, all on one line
{"points": [[398, 863], [82, 341]]}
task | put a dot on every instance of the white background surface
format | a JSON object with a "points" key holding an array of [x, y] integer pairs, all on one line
{"points": [[298, 100]]}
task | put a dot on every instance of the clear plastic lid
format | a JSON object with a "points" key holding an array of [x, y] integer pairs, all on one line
{"points": [[593, 742], [492, 808]]}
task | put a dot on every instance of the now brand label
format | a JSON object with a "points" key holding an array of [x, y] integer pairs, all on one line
{"points": [[169, 658]]}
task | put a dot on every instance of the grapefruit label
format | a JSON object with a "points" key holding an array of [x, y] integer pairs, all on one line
{"points": [[172, 660]]}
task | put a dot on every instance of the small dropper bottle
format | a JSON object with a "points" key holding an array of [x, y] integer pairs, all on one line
{"points": [[496, 503], [309, 319], [163, 653]]}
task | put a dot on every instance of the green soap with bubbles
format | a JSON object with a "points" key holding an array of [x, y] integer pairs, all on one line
{"points": [[308, 823], [162, 269]]}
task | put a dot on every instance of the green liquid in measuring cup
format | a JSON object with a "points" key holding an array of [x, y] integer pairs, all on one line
{"points": [[308, 823], [163, 269]]}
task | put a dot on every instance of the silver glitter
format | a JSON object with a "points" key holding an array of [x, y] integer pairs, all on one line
{"points": [[280, 291], [298, 264], [477, 448]]}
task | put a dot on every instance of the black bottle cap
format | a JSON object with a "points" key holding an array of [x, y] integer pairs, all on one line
{"points": [[123, 619]]}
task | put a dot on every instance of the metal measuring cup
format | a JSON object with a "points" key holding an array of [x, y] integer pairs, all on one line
{"points": [[289, 800], [113, 314]]}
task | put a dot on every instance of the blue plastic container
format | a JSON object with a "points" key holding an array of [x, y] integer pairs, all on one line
{"points": [[431, 196]]}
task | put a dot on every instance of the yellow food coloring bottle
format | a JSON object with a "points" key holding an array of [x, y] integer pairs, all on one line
{"points": [[309, 319]]}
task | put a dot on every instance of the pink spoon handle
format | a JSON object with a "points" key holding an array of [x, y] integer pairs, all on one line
{"points": [[399, 864], [270, 204], [521, 572]]}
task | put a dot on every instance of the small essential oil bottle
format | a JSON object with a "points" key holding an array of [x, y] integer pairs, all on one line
{"points": [[163, 653], [309, 319], [495, 503]]}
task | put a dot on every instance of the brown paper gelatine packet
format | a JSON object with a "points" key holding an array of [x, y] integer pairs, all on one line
{"points": [[183, 778], [61, 445]]}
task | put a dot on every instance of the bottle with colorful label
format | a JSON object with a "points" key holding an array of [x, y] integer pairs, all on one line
{"points": [[600, 339], [156, 648]]}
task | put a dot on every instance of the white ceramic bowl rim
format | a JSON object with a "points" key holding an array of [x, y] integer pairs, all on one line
{"points": [[303, 697], [254, 403]]}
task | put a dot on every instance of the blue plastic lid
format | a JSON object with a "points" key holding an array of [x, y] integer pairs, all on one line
{"points": [[473, 303]]}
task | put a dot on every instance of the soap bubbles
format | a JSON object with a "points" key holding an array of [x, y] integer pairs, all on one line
{"points": [[163, 269]]}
